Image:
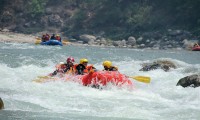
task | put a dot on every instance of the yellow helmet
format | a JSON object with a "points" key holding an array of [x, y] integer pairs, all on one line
{"points": [[83, 60], [107, 63], [57, 35]]}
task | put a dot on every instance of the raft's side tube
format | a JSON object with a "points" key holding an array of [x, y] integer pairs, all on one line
{"points": [[52, 42], [104, 77], [196, 49]]}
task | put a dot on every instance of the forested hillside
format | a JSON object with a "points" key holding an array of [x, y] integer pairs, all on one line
{"points": [[116, 19]]}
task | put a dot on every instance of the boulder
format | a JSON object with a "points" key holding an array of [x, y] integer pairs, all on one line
{"points": [[7, 17], [123, 42], [55, 20], [44, 21], [131, 41], [140, 39], [87, 38], [175, 32], [5, 30], [1, 104], [117, 43], [49, 11], [103, 41], [189, 81], [159, 64]]}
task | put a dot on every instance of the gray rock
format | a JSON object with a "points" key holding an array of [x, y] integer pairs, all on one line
{"points": [[7, 17], [142, 45], [80, 42], [27, 24], [98, 42], [175, 32], [131, 41], [5, 30], [103, 41], [48, 11], [55, 20], [44, 20], [117, 43], [189, 81], [123, 42], [91, 42], [159, 64], [1, 104], [140, 39], [169, 46], [87, 38], [147, 41]]}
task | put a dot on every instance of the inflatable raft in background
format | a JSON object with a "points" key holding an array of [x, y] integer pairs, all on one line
{"points": [[51, 42], [196, 49]]}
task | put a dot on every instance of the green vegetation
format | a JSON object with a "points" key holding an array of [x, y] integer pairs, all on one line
{"points": [[120, 18], [35, 8], [2, 4]]}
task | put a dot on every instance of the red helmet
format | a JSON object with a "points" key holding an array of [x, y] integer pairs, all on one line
{"points": [[70, 59]]}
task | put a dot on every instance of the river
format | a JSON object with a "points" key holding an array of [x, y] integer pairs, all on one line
{"points": [[58, 100]]}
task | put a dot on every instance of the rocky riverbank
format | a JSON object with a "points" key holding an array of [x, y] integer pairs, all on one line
{"points": [[170, 39], [174, 39], [6, 36]]}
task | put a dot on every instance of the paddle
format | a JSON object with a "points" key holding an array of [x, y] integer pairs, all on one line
{"points": [[141, 78], [42, 79]]}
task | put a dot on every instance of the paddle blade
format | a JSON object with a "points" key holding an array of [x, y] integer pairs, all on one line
{"points": [[39, 80], [142, 79], [42, 79]]}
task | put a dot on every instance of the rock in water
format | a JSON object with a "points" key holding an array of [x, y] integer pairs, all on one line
{"points": [[192, 81], [1, 104]]}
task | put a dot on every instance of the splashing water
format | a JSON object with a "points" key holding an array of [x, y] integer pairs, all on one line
{"points": [[161, 99]]}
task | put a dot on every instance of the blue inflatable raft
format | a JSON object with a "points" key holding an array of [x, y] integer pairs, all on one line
{"points": [[52, 42]]}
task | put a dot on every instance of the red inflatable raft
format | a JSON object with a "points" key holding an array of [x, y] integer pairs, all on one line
{"points": [[196, 49], [105, 77], [96, 79]]}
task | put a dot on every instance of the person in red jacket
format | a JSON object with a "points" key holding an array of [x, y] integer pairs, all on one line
{"points": [[65, 68], [45, 37], [58, 37]]}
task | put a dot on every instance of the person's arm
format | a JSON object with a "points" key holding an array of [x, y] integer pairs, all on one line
{"points": [[54, 73], [67, 68], [115, 69]]}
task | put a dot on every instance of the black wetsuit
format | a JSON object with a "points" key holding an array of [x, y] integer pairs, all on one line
{"points": [[112, 68], [53, 37], [80, 69]]}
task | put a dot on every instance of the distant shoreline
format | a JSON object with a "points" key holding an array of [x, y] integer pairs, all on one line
{"points": [[24, 38], [16, 37]]}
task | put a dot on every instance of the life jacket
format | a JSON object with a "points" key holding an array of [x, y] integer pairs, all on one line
{"points": [[88, 69], [58, 38], [74, 68], [70, 70], [46, 37]]}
